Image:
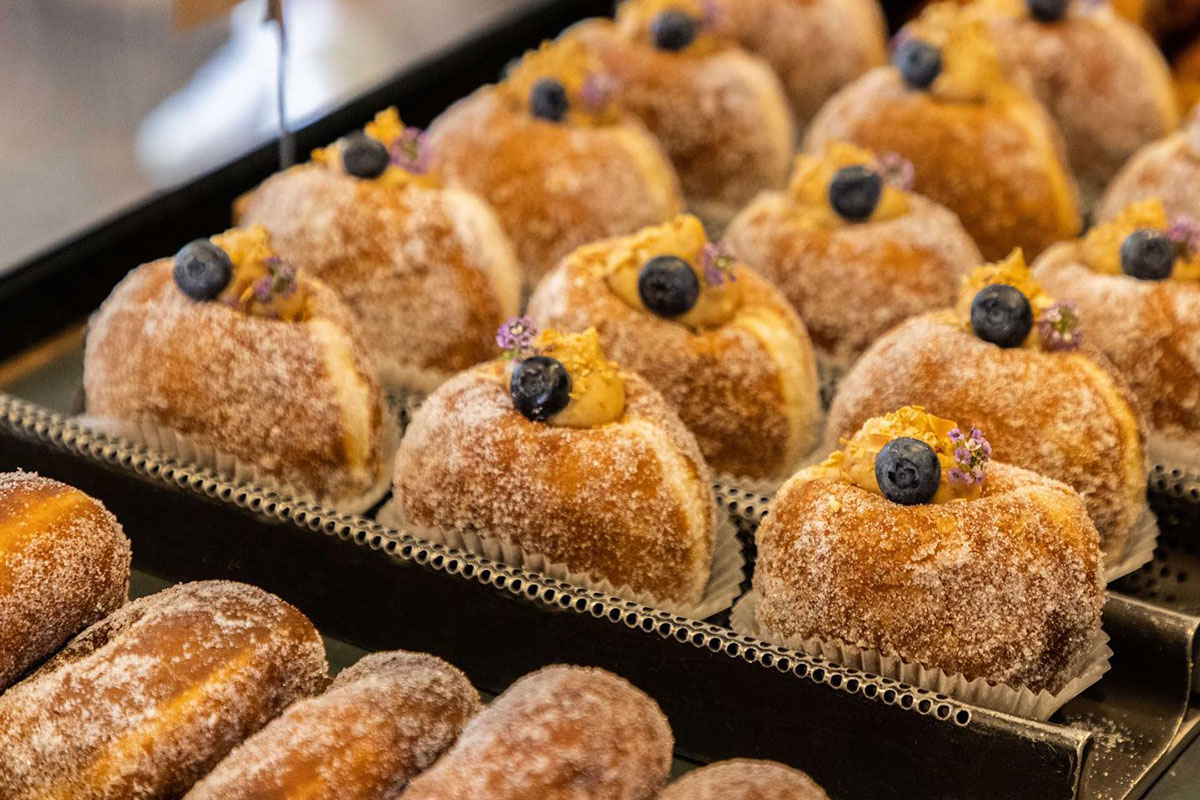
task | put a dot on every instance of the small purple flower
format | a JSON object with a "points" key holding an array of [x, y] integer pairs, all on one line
{"points": [[1059, 327], [596, 91], [1185, 233], [516, 336], [717, 264], [410, 151], [263, 288], [970, 457], [712, 15], [897, 171]]}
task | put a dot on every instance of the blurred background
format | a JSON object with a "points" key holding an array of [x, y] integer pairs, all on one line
{"points": [[105, 102]]}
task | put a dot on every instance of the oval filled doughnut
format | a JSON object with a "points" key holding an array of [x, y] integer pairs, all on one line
{"points": [[64, 563], [143, 703], [562, 733], [744, 779], [382, 722]]}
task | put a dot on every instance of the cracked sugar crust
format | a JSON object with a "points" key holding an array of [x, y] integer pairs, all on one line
{"points": [[428, 273], [747, 389], [630, 501], [1102, 79], [299, 401], [1167, 170], [145, 702], [724, 119], [554, 186], [815, 47], [64, 564], [1063, 415], [562, 733], [1008, 587], [852, 284], [1149, 330], [744, 779], [996, 168], [382, 722]]}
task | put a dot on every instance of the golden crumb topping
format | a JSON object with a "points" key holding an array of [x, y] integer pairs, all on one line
{"points": [[263, 284]]}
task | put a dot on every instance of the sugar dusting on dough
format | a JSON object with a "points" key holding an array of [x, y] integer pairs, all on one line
{"points": [[744, 779]]}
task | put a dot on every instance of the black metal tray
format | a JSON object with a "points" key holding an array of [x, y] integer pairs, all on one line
{"points": [[727, 695]]}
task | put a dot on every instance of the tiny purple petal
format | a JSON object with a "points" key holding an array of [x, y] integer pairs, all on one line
{"points": [[263, 288], [1059, 327], [956, 435], [717, 265], [516, 334], [597, 90], [897, 171], [713, 14], [410, 151]]}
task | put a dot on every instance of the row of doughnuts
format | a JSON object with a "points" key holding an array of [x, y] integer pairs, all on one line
{"points": [[219, 690]]}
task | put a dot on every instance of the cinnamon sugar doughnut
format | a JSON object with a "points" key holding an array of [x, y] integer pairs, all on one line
{"points": [[629, 501], [721, 114], [554, 184], [383, 721], [64, 563], [979, 145], [1102, 79], [1007, 587], [427, 272], [1166, 170], [562, 733], [815, 47], [744, 383], [298, 400], [744, 779], [850, 282], [143, 703], [1064, 415]]}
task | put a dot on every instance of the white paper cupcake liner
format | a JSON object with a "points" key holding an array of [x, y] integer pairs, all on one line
{"points": [[1085, 670], [200, 453], [767, 487], [1139, 547], [1170, 453], [724, 584]]}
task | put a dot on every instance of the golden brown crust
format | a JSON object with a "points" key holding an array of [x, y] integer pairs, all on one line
{"points": [[1167, 170], [382, 722], [1008, 587], [1102, 79], [1000, 167], [265, 391], [428, 273], [752, 404], [630, 502], [853, 283], [1063, 415], [143, 703], [723, 119], [562, 733], [1149, 330], [816, 46], [744, 779], [64, 564], [553, 186]]}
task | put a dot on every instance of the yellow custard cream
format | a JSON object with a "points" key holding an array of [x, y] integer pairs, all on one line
{"points": [[1101, 248], [962, 478], [683, 237], [262, 284], [813, 174], [597, 387]]}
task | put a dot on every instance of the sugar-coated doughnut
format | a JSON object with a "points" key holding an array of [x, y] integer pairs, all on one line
{"points": [[562, 733], [145, 702], [64, 564], [380, 723], [744, 779]]}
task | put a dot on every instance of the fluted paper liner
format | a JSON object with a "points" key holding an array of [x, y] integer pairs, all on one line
{"points": [[1087, 668], [1171, 453], [724, 583], [200, 453], [1139, 547]]}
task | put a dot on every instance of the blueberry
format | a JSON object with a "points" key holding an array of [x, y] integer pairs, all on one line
{"points": [[202, 270], [548, 100], [364, 157], [854, 192], [540, 387], [1000, 314], [668, 286], [674, 30], [1047, 10], [919, 63], [908, 471], [1148, 255]]}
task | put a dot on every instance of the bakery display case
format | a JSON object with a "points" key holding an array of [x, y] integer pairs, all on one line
{"points": [[368, 585]]}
